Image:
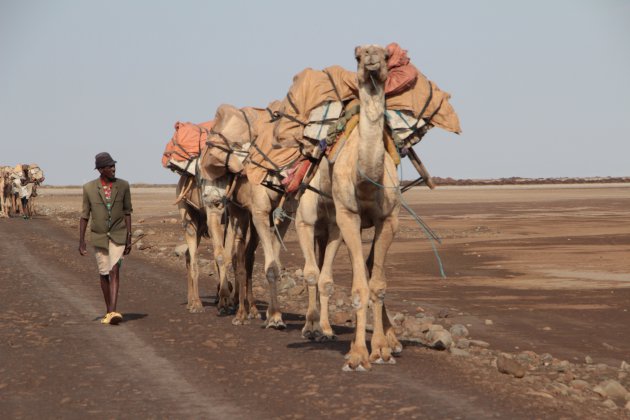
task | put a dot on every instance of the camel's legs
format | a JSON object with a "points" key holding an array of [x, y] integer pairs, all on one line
{"points": [[225, 303], [350, 226], [260, 219], [239, 222], [3, 208], [17, 205], [382, 341], [250, 256], [325, 282], [193, 237], [306, 235]]}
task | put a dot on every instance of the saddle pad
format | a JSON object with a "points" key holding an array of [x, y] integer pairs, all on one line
{"points": [[322, 119]]}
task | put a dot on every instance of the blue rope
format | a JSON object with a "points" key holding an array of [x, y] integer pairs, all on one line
{"points": [[431, 236], [280, 214]]}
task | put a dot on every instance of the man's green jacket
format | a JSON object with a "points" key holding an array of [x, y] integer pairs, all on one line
{"points": [[106, 224]]}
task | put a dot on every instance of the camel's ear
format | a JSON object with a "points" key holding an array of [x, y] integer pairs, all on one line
{"points": [[357, 52]]}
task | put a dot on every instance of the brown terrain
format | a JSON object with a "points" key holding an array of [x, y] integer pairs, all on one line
{"points": [[539, 276]]}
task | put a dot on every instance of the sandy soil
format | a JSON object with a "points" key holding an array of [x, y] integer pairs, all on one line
{"points": [[539, 274]]}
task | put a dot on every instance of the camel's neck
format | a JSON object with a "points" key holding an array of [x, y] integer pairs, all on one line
{"points": [[371, 121]]}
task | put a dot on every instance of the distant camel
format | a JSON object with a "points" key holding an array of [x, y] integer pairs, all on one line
{"points": [[5, 191], [36, 176]]}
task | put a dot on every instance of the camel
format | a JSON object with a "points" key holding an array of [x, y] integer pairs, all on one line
{"points": [[201, 209], [16, 176], [198, 221], [36, 178], [365, 190], [253, 197], [5, 191], [315, 224], [251, 204]]}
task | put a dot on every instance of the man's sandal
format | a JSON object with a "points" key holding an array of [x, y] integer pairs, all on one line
{"points": [[115, 318], [107, 318]]}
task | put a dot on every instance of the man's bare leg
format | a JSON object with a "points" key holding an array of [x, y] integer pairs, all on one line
{"points": [[113, 288], [105, 289]]}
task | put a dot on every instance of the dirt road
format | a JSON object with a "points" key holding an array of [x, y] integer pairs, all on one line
{"points": [[59, 361]]}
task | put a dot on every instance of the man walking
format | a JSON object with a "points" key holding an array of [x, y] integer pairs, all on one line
{"points": [[108, 200]]}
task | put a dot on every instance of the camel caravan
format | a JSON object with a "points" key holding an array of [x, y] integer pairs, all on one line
{"points": [[326, 156], [19, 189]]}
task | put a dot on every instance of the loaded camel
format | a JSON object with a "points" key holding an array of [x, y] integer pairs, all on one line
{"points": [[409, 94], [250, 203], [256, 193], [365, 192], [36, 178], [5, 191], [199, 220]]}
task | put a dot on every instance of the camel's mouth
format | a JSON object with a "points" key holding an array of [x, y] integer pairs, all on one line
{"points": [[373, 67]]}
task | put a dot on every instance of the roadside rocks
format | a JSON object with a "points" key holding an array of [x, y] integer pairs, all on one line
{"points": [[459, 331], [507, 365], [438, 338], [611, 389]]}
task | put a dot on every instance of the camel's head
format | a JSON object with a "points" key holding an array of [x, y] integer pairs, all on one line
{"points": [[371, 63]]}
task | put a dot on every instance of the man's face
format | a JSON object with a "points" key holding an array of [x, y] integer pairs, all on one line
{"points": [[108, 172]]}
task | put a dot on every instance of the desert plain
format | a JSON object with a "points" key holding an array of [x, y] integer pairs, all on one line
{"points": [[537, 274]]}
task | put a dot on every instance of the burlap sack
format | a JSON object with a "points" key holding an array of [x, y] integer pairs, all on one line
{"points": [[310, 89], [231, 137], [263, 156]]}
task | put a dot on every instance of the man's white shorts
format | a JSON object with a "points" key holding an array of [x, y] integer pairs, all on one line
{"points": [[106, 259]]}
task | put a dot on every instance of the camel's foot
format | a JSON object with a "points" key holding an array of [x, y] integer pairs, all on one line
{"points": [[393, 343], [382, 352], [195, 307], [254, 313], [241, 317], [226, 306], [311, 330], [326, 337], [357, 360], [275, 321], [382, 356], [240, 320]]}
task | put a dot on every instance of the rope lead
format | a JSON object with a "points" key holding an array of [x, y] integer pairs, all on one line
{"points": [[431, 236]]}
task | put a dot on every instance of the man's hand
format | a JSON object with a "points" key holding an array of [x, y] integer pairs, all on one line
{"points": [[82, 248], [128, 245]]}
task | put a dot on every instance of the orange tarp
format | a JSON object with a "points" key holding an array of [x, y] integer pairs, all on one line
{"points": [[187, 142]]}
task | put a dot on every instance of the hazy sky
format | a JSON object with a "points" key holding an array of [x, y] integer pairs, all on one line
{"points": [[542, 87]]}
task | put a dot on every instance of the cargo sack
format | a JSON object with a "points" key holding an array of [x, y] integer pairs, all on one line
{"points": [[188, 167], [322, 119], [228, 142], [230, 139], [311, 89], [295, 175], [35, 173], [186, 144], [266, 162], [405, 129]]}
